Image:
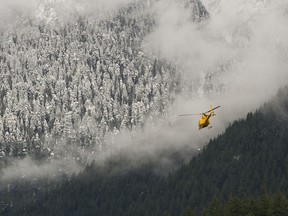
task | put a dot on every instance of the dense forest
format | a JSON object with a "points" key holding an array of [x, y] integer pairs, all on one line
{"points": [[71, 82], [248, 161], [68, 84]]}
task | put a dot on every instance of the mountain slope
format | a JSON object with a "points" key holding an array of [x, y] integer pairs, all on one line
{"points": [[71, 82], [251, 153]]}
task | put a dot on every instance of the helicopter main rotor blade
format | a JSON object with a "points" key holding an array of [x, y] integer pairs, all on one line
{"points": [[212, 109], [190, 114]]}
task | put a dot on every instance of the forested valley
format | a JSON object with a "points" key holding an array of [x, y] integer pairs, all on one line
{"points": [[232, 175], [89, 111]]}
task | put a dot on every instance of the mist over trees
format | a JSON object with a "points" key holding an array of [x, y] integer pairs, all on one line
{"points": [[68, 83], [73, 82], [72, 79], [232, 175]]}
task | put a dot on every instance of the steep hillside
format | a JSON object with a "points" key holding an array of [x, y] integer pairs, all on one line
{"points": [[67, 83], [250, 155], [90, 83]]}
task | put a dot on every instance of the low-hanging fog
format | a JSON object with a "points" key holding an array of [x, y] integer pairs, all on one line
{"points": [[249, 36], [242, 46], [246, 38]]}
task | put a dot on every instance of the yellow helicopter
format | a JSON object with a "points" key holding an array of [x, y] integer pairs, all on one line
{"points": [[204, 121]]}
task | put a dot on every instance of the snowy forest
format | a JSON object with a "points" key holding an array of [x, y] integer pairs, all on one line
{"points": [[70, 83], [90, 97]]}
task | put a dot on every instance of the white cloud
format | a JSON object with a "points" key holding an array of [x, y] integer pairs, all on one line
{"points": [[28, 168], [249, 35]]}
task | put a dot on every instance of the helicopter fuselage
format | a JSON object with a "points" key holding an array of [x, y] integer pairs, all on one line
{"points": [[204, 121]]}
